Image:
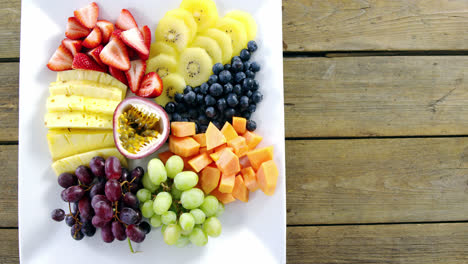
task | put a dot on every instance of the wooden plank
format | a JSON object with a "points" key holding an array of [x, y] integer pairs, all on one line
{"points": [[376, 96], [9, 80], [9, 253], [377, 180], [389, 244], [10, 20], [9, 186], [354, 25]]}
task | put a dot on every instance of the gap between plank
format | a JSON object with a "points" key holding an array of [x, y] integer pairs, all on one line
{"points": [[374, 137], [371, 53], [377, 224], [5, 60]]}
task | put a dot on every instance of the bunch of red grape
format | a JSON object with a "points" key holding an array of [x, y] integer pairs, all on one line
{"points": [[103, 196]]}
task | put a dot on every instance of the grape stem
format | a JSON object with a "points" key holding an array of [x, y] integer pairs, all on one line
{"points": [[130, 245]]}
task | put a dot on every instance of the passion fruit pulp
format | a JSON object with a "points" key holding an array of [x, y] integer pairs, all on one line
{"points": [[141, 127]]}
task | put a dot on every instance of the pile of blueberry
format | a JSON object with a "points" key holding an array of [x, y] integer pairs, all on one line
{"points": [[231, 91]]}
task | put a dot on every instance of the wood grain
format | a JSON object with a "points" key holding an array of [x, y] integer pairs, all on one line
{"points": [[354, 25], [9, 186], [9, 80], [10, 19], [376, 96], [377, 180], [389, 244], [9, 253]]}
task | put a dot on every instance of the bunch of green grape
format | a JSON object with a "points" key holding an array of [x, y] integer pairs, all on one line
{"points": [[171, 200]]}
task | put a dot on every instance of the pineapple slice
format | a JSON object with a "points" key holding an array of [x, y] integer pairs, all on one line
{"points": [[78, 120], [67, 142], [86, 88], [93, 76], [70, 164], [74, 103]]}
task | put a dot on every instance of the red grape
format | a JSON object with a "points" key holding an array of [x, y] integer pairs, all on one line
{"points": [[76, 233], [98, 222], [86, 211], [131, 200], [88, 229], [113, 168], [129, 216], [118, 230], [106, 233], [67, 179], [69, 220], [84, 175], [97, 165], [135, 233], [113, 190], [58, 215], [98, 188], [98, 198], [103, 210], [72, 194], [125, 175]]}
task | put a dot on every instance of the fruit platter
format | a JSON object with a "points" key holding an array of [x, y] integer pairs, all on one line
{"points": [[151, 131]]}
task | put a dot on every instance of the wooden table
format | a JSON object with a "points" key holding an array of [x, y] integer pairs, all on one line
{"points": [[376, 101]]}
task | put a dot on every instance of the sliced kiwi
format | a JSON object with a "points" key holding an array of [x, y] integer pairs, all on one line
{"points": [[246, 19], [195, 66], [236, 30], [224, 42], [173, 83], [162, 64], [161, 47], [173, 32], [204, 12], [187, 17], [210, 46]]}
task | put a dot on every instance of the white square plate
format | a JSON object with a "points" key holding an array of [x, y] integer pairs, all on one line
{"points": [[254, 232]]}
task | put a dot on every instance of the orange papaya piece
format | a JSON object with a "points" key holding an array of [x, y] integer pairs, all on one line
{"points": [[209, 179], [258, 156], [228, 162], [250, 179], [201, 139], [184, 147], [252, 139], [200, 161], [225, 198], [182, 129], [228, 131], [239, 124], [164, 156], [217, 152], [244, 162], [239, 145], [267, 177], [226, 184], [240, 191], [214, 137], [203, 150]]}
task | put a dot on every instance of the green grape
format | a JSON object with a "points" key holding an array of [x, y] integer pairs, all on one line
{"points": [[198, 215], [185, 233], [198, 237], [169, 217], [192, 198], [157, 171], [182, 241], [163, 229], [176, 193], [156, 220], [174, 165], [147, 209], [171, 234], [148, 184], [210, 205], [212, 227], [185, 180], [162, 203], [143, 195], [187, 221], [220, 210]]}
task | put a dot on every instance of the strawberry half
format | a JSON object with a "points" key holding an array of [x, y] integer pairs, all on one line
{"points": [[146, 32], [117, 33], [93, 39], [115, 55], [75, 30], [134, 39], [88, 15], [135, 74], [61, 60], [126, 20], [118, 74], [151, 86], [106, 28], [74, 46], [82, 61], [94, 53]]}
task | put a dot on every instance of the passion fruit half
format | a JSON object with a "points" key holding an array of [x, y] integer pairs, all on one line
{"points": [[141, 127]]}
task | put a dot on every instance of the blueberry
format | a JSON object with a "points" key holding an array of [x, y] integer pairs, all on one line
{"points": [[227, 67], [237, 89], [179, 98], [240, 76], [245, 55], [190, 97], [210, 112], [247, 84], [188, 89], [229, 113], [232, 100], [193, 113], [217, 68], [204, 88], [251, 125], [176, 117], [252, 108], [203, 128], [248, 94], [197, 89], [213, 79], [247, 65], [228, 88], [252, 46], [170, 107], [184, 119], [216, 89], [200, 99], [209, 100], [250, 74], [235, 58], [255, 86], [237, 66], [246, 115], [217, 124], [225, 77], [221, 104], [202, 119], [257, 97], [180, 108], [255, 67], [244, 102]]}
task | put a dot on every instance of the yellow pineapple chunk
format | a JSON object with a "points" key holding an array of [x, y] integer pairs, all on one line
{"points": [[75, 103], [78, 120], [86, 88]]}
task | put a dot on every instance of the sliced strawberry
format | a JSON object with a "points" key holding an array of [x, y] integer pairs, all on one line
{"points": [[88, 15], [106, 28], [146, 32], [61, 60], [84, 62], [75, 30], [115, 55], [74, 46], [134, 39], [117, 33], [118, 74], [126, 20], [93, 39], [132, 54], [94, 53], [151, 86], [135, 74]]}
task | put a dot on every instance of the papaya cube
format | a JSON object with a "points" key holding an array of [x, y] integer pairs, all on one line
{"points": [[214, 137], [244, 162], [267, 177], [240, 191], [215, 155], [225, 198], [209, 179], [239, 145], [200, 161], [252, 139], [229, 132], [226, 184], [201, 139], [258, 156], [183, 129], [184, 147], [187, 166], [228, 162], [164, 156], [250, 179], [203, 150], [239, 124]]}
